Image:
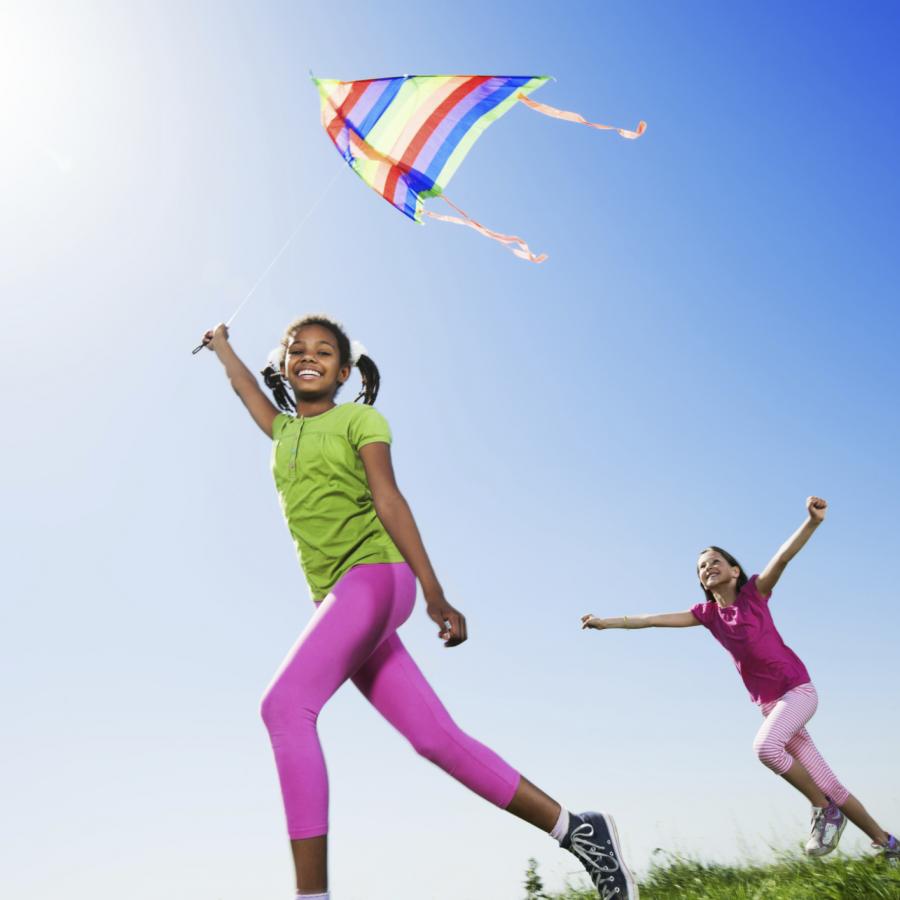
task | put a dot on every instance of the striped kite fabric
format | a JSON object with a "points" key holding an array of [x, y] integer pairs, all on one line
{"points": [[406, 136]]}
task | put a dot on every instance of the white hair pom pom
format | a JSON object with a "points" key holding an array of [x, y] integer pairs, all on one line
{"points": [[275, 357], [356, 351]]}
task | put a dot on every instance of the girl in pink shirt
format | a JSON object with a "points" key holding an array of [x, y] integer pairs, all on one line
{"points": [[736, 612]]}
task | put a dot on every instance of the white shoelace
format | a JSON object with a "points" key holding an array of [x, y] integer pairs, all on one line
{"points": [[593, 858]]}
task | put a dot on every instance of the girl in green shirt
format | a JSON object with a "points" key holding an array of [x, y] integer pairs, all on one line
{"points": [[362, 554]]}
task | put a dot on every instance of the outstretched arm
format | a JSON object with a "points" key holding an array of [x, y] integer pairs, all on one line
{"points": [[397, 518], [661, 620], [815, 507], [242, 379]]}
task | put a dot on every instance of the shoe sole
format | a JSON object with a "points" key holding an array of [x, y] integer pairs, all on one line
{"points": [[633, 891]]}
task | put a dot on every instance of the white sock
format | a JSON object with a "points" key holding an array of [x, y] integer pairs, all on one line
{"points": [[561, 828], [313, 896]]}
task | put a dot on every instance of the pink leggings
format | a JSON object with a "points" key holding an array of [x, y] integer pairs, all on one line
{"points": [[783, 737], [353, 635]]}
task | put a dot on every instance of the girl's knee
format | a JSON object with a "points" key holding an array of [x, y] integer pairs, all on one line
{"points": [[269, 707], [439, 744], [433, 747], [772, 755], [282, 709]]}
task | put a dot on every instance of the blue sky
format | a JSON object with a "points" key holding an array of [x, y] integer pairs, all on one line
{"points": [[712, 339]]}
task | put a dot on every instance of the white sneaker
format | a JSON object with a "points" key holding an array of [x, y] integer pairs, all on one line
{"points": [[827, 825]]}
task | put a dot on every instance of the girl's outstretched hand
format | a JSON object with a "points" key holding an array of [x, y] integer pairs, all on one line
{"points": [[591, 621], [816, 507], [450, 621], [217, 335]]}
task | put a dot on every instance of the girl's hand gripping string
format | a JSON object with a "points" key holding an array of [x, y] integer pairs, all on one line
{"points": [[221, 331], [214, 338]]}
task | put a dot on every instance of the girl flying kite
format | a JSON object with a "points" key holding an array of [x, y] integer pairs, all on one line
{"points": [[362, 554]]}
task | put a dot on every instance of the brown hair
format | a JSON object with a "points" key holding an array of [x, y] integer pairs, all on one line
{"points": [[742, 575]]}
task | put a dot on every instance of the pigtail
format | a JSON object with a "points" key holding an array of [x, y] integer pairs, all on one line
{"points": [[280, 389], [371, 379]]}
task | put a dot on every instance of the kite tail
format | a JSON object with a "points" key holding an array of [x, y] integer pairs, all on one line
{"points": [[555, 113], [521, 249]]}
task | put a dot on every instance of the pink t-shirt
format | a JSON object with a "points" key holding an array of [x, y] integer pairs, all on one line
{"points": [[745, 629]]}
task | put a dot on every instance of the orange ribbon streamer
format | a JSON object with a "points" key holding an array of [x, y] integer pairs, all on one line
{"points": [[514, 244], [555, 113]]}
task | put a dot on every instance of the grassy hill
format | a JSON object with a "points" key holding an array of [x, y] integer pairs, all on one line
{"points": [[790, 877]]}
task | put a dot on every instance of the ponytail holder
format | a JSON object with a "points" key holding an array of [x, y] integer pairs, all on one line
{"points": [[356, 351]]}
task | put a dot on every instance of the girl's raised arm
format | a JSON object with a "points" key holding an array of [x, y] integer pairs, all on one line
{"points": [[815, 507], [242, 379], [661, 620]]}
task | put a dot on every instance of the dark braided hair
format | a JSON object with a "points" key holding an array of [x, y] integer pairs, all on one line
{"points": [[278, 384], [742, 575]]}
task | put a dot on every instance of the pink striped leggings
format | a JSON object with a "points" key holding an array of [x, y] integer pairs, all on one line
{"points": [[783, 737], [352, 635]]}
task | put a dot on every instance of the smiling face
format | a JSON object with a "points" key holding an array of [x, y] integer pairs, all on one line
{"points": [[715, 572], [312, 364]]}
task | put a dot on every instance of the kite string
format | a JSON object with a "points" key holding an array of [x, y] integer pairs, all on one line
{"points": [[279, 254], [284, 247]]}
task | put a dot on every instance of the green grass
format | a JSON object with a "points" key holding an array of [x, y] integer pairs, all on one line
{"points": [[790, 877]]}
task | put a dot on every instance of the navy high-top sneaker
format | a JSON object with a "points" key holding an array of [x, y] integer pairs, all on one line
{"points": [[593, 838]]}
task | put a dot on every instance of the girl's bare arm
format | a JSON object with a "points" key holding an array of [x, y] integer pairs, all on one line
{"points": [[659, 620], [242, 379], [815, 507]]}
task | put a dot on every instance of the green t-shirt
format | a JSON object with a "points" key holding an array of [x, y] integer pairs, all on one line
{"points": [[324, 492]]}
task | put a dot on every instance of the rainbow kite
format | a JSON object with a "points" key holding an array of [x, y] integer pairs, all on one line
{"points": [[406, 136]]}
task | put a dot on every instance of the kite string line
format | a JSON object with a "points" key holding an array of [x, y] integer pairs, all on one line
{"points": [[284, 246]]}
